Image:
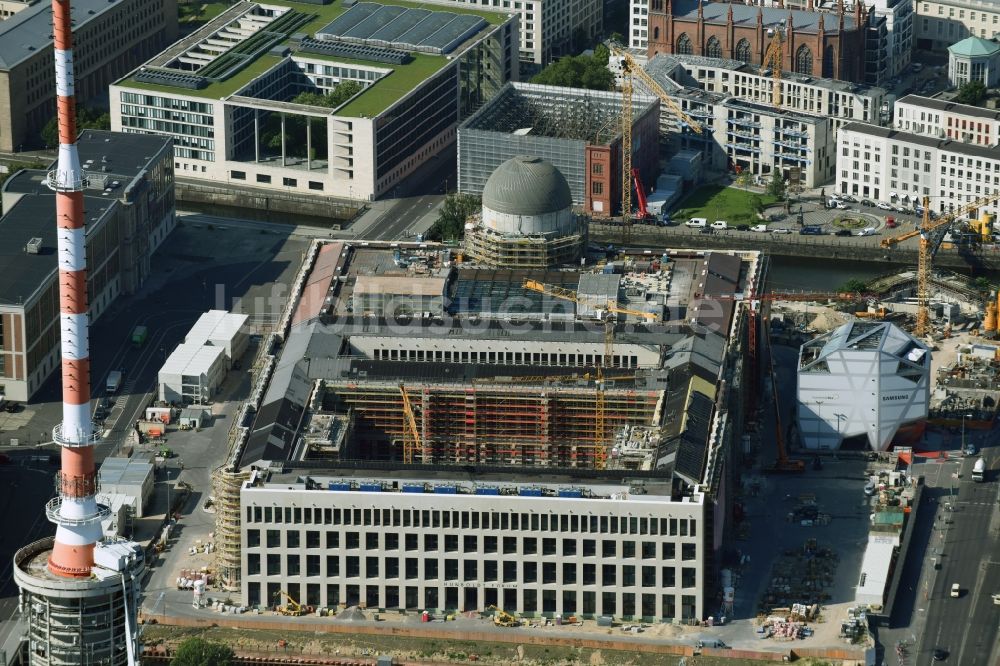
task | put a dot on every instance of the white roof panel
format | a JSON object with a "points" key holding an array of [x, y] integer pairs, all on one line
{"points": [[216, 325]]}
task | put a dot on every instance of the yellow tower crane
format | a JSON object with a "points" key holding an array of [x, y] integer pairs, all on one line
{"points": [[610, 309], [931, 232], [411, 434], [630, 69], [773, 59]]}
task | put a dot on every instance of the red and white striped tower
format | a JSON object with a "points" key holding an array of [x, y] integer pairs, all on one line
{"points": [[75, 511]]}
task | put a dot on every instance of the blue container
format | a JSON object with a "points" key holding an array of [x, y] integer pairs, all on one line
{"points": [[413, 487], [530, 492], [446, 490], [370, 487], [571, 492], [339, 485], [487, 491]]}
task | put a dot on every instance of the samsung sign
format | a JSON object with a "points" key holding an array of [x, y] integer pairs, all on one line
{"points": [[894, 398]]}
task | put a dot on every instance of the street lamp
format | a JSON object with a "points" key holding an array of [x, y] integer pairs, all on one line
{"points": [[819, 419], [964, 416]]}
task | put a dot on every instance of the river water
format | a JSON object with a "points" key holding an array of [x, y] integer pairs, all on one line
{"points": [[802, 274]]}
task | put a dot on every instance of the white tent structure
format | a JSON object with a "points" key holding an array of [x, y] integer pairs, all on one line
{"points": [[864, 378]]}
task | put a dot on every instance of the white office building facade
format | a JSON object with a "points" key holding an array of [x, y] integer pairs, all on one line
{"points": [[948, 120], [940, 23], [547, 26], [883, 164], [538, 550]]}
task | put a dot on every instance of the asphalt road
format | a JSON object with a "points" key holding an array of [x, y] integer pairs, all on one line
{"points": [[183, 284], [967, 626]]}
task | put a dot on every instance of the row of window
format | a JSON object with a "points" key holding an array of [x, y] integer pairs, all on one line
{"points": [[166, 102], [558, 360], [487, 571], [471, 543], [265, 179], [472, 520], [526, 600]]}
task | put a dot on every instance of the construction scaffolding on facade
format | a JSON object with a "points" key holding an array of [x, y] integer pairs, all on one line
{"points": [[226, 484], [549, 122], [494, 424], [487, 247]]}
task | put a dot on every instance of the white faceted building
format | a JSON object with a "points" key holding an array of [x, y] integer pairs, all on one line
{"points": [[864, 378]]}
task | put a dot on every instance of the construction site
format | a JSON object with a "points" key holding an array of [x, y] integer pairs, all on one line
{"points": [[578, 131], [466, 407]]}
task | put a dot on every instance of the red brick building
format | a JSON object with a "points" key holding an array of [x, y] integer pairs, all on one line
{"points": [[816, 43]]}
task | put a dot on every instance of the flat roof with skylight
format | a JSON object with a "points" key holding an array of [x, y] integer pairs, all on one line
{"points": [[248, 40]]}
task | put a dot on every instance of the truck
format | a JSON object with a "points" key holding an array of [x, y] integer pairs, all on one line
{"points": [[114, 382], [139, 336], [979, 470]]}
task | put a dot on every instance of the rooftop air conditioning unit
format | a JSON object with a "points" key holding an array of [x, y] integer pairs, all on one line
{"points": [[34, 246]]}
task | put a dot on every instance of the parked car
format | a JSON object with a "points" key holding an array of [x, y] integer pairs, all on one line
{"points": [[890, 222], [742, 227], [720, 224], [696, 222], [883, 205], [811, 231], [707, 230], [867, 202], [781, 231], [917, 67], [12, 407], [847, 197], [956, 590], [843, 232], [759, 228], [970, 449], [868, 231]]}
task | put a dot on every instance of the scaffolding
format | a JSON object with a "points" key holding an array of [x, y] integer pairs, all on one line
{"points": [[494, 425], [491, 249], [550, 122], [226, 484]]}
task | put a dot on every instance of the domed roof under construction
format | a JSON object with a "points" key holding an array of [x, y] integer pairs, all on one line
{"points": [[525, 185]]}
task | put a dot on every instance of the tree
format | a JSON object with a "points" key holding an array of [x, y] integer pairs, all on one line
{"points": [[776, 188], [85, 119], [854, 286], [450, 224], [619, 38], [756, 204], [982, 285], [579, 72], [295, 125], [973, 92], [196, 651]]}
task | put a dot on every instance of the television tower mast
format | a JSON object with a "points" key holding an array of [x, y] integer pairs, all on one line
{"points": [[79, 593]]}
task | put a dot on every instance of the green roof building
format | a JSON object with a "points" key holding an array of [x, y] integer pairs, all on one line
{"points": [[231, 94]]}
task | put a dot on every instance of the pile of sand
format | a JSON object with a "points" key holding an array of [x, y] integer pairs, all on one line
{"points": [[352, 614]]}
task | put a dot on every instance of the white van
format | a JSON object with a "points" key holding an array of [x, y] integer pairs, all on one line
{"points": [[720, 224], [697, 222]]}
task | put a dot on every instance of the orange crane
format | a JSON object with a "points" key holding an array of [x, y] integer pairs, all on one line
{"points": [[631, 68], [610, 308], [931, 233], [773, 59], [783, 462], [411, 434]]}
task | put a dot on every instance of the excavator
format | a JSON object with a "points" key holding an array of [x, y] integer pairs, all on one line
{"points": [[502, 618], [293, 608]]}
